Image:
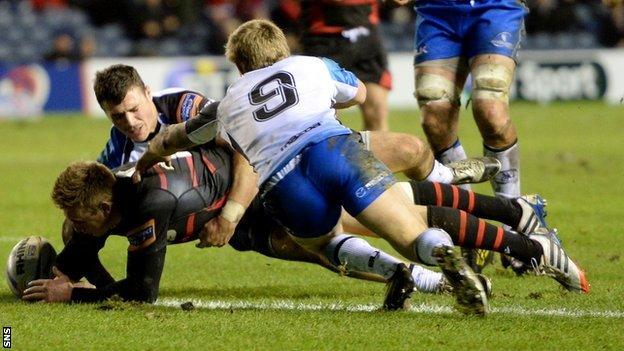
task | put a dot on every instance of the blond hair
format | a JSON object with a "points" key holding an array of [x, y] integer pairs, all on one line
{"points": [[83, 184], [256, 44]]}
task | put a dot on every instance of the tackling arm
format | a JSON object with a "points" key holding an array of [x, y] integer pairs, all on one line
{"points": [[178, 137]]}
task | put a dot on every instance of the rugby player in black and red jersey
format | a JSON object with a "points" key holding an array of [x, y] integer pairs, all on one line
{"points": [[138, 116], [346, 31], [169, 206]]}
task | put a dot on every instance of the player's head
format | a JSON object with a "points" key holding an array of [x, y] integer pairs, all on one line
{"points": [[256, 44], [84, 191], [127, 101]]}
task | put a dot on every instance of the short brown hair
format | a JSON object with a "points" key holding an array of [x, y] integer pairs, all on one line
{"points": [[256, 44], [112, 83], [83, 184]]}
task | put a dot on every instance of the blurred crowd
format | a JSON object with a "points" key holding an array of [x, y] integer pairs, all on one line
{"points": [[76, 29]]}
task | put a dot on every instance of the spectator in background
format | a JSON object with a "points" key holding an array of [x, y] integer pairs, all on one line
{"points": [[286, 14], [63, 48], [40, 5], [154, 19], [613, 33], [226, 15], [102, 12]]}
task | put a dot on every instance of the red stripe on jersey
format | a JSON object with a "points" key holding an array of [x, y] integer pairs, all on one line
{"points": [[190, 227], [386, 80], [162, 176], [192, 170], [318, 25], [217, 204], [211, 167]]}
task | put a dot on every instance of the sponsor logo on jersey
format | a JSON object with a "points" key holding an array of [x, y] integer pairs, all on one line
{"points": [[354, 34], [188, 106], [421, 50], [298, 135], [362, 191], [503, 40], [142, 236]]}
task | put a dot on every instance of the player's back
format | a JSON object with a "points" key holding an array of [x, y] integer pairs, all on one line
{"points": [[272, 113], [179, 200]]}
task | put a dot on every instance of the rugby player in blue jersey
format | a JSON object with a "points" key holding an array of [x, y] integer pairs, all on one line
{"points": [[455, 38]]}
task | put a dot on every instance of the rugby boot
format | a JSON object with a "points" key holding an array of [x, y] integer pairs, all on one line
{"points": [[474, 169], [477, 259], [467, 288], [399, 289], [557, 264], [533, 213], [445, 287]]}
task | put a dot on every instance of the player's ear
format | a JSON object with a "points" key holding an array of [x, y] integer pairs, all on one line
{"points": [[106, 207], [148, 91]]}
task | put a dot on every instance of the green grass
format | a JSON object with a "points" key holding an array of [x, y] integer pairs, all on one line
{"points": [[571, 153]]}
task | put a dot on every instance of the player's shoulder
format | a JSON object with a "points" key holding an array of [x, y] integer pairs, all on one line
{"points": [[178, 104]]}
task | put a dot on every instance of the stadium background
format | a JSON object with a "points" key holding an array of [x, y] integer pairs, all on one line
{"points": [[568, 96]]}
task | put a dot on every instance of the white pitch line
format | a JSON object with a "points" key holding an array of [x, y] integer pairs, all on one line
{"points": [[420, 308]]}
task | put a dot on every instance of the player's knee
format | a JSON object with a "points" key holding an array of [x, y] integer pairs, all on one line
{"points": [[435, 88], [410, 146], [497, 129], [491, 81], [433, 125]]}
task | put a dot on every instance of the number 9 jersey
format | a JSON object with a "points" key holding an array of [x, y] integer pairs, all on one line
{"points": [[271, 114]]}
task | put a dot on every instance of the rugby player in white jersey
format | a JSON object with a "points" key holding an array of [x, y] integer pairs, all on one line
{"points": [[138, 115], [281, 115]]}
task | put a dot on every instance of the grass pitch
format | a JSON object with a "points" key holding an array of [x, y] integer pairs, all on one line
{"points": [[571, 154]]}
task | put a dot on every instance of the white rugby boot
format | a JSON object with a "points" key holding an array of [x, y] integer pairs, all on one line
{"points": [[557, 264]]}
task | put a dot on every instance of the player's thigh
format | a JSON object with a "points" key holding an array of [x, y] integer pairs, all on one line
{"points": [[399, 151], [498, 28], [437, 35]]}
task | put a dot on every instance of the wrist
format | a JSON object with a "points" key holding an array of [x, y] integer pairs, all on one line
{"points": [[232, 211]]}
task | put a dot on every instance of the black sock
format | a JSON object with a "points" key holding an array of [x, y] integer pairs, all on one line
{"points": [[506, 211], [469, 231]]}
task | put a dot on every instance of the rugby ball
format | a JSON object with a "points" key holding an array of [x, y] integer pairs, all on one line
{"points": [[32, 258]]}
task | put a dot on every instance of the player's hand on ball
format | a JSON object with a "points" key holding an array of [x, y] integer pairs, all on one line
{"points": [[58, 289]]}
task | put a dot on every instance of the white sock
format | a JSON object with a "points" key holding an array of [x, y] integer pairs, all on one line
{"points": [[427, 241], [356, 254], [425, 280], [440, 173], [507, 182], [454, 153]]}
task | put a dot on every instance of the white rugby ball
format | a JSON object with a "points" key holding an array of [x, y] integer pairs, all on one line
{"points": [[32, 258]]}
